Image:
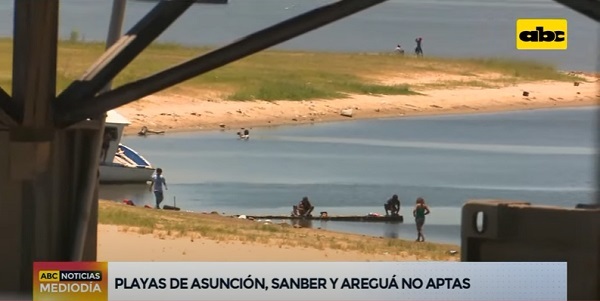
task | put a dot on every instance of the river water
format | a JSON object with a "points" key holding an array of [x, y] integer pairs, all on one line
{"points": [[352, 167], [457, 28], [541, 156]]}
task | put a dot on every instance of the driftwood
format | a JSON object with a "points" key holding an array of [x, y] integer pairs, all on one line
{"points": [[169, 207], [325, 217], [145, 131]]}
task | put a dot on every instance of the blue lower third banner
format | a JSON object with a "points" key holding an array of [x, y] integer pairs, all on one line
{"points": [[337, 281]]}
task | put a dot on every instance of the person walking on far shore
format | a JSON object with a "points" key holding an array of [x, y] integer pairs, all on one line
{"points": [[158, 181], [419, 49], [419, 213]]}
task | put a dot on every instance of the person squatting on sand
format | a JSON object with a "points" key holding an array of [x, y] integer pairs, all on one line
{"points": [[399, 50], [392, 206], [304, 208], [158, 181], [419, 213]]}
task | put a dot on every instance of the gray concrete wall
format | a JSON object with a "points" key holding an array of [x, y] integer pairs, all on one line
{"points": [[517, 231]]}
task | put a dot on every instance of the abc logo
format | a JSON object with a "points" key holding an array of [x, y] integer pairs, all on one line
{"points": [[49, 276], [541, 34]]}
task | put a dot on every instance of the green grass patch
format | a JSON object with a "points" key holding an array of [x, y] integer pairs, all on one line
{"points": [[283, 90], [460, 83], [306, 87], [115, 216], [521, 69], [284, 75]]}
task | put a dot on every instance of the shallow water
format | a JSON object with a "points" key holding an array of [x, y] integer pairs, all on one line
{"points": [[541, 156]]}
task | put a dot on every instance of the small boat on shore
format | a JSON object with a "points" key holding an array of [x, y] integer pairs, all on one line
{"points": [[123, 165], [342, 218]]}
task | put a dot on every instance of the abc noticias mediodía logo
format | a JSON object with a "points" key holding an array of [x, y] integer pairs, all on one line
{"points": [[70, 281], [541, 34]]}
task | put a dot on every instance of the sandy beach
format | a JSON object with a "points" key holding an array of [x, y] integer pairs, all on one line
{"points": [[115, 244], [173, 112]]}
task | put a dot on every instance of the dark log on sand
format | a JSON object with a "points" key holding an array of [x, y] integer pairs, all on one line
{"points": [[348, 218], [169, 207]]}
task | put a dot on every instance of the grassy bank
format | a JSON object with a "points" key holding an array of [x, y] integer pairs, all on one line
{"points": [[279, 75], [214, 227]]}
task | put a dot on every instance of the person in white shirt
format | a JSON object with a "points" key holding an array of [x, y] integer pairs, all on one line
{"points": [[399, 49], [158, 182]]}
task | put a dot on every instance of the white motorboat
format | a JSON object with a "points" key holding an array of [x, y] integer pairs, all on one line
{"points": [[122, 164]]}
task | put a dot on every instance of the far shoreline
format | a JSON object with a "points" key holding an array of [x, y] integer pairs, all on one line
{"points": [[131, 131], [284, 87]]}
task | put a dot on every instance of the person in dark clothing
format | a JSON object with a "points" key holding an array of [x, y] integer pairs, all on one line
{"points": [[106, 140], [419, 49], [392, 206], [305, 207]]}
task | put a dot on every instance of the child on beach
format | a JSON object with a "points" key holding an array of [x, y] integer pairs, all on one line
{"points": [[419, 213], [158, 181]]}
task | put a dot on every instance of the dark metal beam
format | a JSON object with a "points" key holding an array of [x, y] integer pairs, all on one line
{"points": [[9, 112], [29, 145], [86, 218], [589, 8], [34, 59], [246, 46], [115, 29], [115, 26], [121, 53]]}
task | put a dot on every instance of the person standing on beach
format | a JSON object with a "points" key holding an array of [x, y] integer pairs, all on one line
{"points": [[106, 139], [158, 181], [419, 50], [419, 213]]}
